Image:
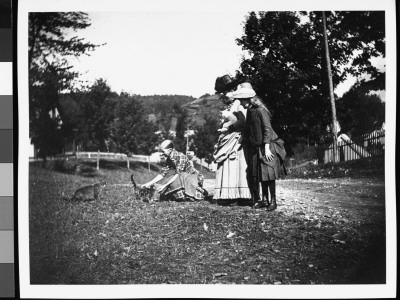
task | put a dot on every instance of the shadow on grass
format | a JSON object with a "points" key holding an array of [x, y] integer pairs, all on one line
{"points": [[365, 167]]}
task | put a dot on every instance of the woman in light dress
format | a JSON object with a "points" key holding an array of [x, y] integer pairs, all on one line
{"points": [[231, 183]]}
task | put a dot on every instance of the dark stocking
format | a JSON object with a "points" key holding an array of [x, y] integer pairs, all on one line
{"points": [[264, 186], [255, 189], [272, 189]]}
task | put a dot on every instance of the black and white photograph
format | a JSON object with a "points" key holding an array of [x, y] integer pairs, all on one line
{"points": [[212, 149]]}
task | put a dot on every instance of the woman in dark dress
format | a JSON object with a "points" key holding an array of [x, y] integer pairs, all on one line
{"points": [[264, 150]]}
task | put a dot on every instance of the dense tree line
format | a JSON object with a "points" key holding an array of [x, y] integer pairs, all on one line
{"points": [[287, 67], [111, 122]]}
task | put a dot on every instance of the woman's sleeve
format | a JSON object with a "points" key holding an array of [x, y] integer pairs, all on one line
{"points": [[164, 170], [234, 107], [170, 163], [266, 127]]}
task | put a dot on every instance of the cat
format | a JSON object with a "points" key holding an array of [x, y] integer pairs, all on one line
{"points": [[88, 193], [144, 194]]}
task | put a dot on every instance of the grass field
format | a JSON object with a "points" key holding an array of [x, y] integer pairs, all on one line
{"points": [[328, 230]]}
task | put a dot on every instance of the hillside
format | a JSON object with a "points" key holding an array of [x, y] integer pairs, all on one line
{"points": [[208, 105], [164, 104], [165, 109]]}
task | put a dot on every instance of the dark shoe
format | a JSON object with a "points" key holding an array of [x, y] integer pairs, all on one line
{"points": [[260, 204], [273, 205], [267, 202]]}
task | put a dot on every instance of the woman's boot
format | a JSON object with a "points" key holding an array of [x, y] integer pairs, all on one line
{"points": [[273, 205], [264, 186], [264, 202]]}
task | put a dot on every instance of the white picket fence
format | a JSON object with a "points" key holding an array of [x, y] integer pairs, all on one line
{"points": [[120, 156], [154, 158]]}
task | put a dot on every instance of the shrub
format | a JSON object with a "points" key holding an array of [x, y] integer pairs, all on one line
{"points": [[62, 165]]}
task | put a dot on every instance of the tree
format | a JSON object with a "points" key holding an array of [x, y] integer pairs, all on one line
{"points": [[97, 107], [50, 72], [286, 64], [131, 130], [205, 138], [181, 127], [282, 68], [44, 125], [360, 112]]}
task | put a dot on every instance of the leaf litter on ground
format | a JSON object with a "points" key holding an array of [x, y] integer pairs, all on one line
{"points": [[169, 240]]}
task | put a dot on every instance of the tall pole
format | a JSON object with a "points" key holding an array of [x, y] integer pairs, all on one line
{"points": [[187, 143], [328, 65], [187, 139]]}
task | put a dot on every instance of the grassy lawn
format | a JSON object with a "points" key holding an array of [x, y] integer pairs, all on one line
{"points": [[318, 235]]}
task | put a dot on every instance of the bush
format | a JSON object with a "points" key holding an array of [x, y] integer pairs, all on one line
{"points": [[303, 153], [62, 165]]}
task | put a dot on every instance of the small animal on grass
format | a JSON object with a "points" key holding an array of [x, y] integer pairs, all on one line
{"points": [[88, 193], [143, 194]]}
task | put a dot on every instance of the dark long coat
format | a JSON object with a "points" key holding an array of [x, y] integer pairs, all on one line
{"points": [[258, 132]]}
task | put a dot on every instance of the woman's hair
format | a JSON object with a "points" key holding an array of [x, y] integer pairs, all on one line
{"points": [[257, 102], [225, 99]]}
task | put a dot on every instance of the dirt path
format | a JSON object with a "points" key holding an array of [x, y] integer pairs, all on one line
{"points": [[341, 198], [356, 208]]}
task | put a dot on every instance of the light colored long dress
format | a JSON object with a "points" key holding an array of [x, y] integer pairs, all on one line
{"points": [[231, 182]]}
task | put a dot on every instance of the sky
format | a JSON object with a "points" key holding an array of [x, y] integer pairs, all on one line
{"points": [[165, 52], [151, 53]]}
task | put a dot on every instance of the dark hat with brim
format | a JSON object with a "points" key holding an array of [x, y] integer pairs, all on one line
{"points": [[224, 84]]}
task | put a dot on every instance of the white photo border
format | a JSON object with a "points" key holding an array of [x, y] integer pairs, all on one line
{"points": [[204, 291]]}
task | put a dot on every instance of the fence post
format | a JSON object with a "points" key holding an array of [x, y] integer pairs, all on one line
{"points": [[127, 161], [98, 159], [148, 160]]}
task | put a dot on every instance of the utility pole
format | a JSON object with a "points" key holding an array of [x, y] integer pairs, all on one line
{"points": [[187, 134], [332, 97], [187, 141]]}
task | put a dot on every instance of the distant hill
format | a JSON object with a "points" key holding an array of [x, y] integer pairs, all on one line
{"points": [[160, 109], [208, 105], [163, 109], [163, 104]]}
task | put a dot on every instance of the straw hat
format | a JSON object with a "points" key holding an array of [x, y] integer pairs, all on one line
{"points": [[244, 90]]}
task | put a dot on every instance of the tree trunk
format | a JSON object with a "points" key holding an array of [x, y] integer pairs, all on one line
{"points": [[332, 98]]}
